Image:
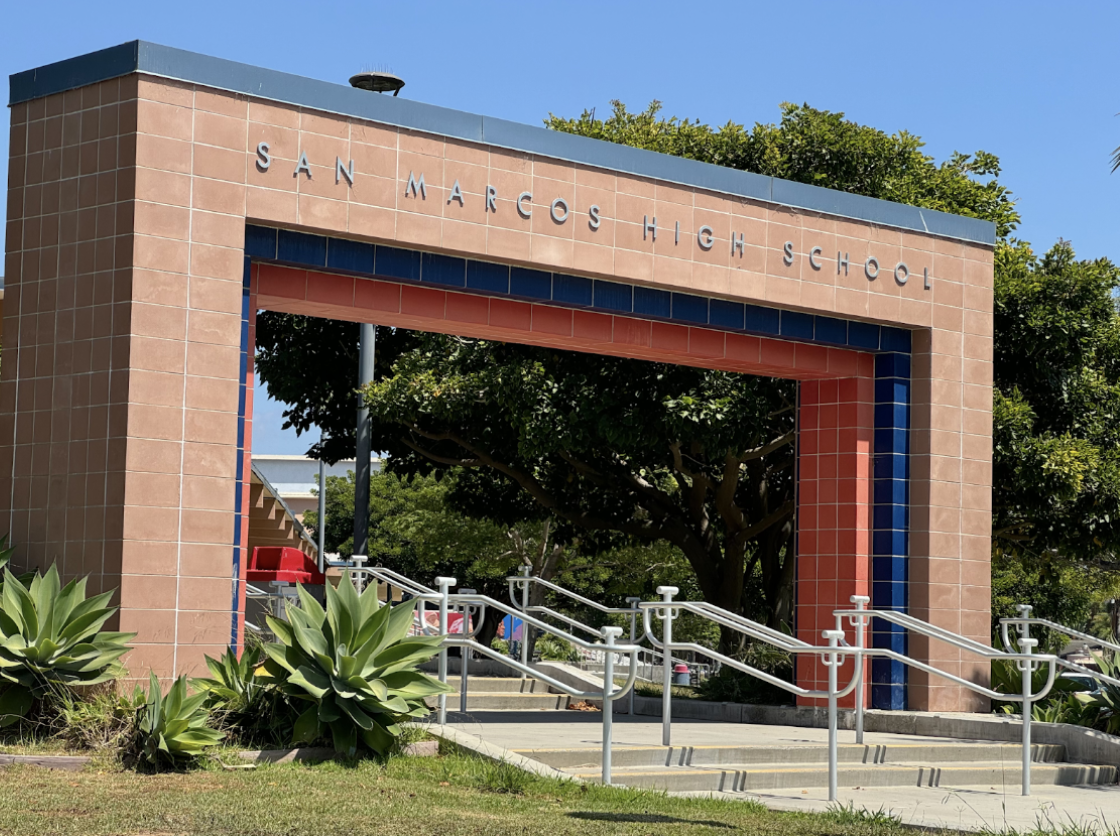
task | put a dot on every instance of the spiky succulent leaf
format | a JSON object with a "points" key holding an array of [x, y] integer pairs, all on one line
{"points": [[173, 727], [50, 637], [335, 657]]}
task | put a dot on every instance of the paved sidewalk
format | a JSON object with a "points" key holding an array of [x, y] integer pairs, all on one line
{"points": [[996, 807]]}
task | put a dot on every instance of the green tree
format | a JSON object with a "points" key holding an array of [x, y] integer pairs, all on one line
{"points": [[1056, 457], [819, 148], [623, 450]]}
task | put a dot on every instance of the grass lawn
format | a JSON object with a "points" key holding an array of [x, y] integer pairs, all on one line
{"points": [[452, 794]]}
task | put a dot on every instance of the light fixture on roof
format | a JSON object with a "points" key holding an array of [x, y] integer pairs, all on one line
{"points": [[377, 81]]}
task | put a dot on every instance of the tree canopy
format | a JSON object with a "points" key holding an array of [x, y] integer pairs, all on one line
{"points": [[1056, 456], [820, 148]]}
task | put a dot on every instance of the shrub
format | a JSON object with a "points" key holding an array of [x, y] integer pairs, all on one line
{"points": [[730, 685], [552, 648], [244, 699], [102, 719], [174, 728], [50, 640], [355, 663]]}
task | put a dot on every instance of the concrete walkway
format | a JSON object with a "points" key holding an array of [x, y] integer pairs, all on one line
{"points": [[998, 806]]}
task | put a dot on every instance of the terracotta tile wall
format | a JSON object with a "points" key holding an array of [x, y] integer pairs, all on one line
{"points": [[189, 372], [836, 420], [165, 303], [68, 323]]}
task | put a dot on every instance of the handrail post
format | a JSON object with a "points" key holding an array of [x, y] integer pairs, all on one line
{"points": [[525, 570], [667, 593], [443, 584], [357, 578], [633, 602], [833, 662], [1027, 667], [464, 654], [860, 623], [609, 635]]}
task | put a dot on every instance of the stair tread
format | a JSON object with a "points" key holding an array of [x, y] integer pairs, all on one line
{"points": [[818, 768], [808, 747]]}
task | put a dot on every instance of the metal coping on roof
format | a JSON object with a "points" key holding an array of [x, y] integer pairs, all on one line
{"points": [[232, 76]]}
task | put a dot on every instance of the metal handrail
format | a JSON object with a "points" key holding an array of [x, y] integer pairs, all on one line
{"points": [[526, 579], [1025, 660], [609, 694], [833, 656], [1026, 619]]}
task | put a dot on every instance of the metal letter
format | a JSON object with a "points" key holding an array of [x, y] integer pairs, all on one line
{"points": [[787, 250], [677, 236], [303, 165], [491, 199], [556, 204], [867, 267], [594, 213], [704, 237], [929, 281], [901, 266], [813, 253], [265, 158], [737, 244], [456, 194], [648, 227], [340, 171], [521, 210], [841, 262], [416, 186]]}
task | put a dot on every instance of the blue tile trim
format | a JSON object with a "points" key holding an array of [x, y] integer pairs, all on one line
{"points": [[168, 62], [492, 279], [242, 410], [890, 531]]}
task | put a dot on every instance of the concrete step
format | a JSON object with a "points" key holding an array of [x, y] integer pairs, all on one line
{"points": [[752, 778], [499, 685], [506, 701], [699, 756]]}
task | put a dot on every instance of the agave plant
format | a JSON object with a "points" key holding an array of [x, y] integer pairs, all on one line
{"points": [[355, 663], [233, 683], [246, 700], [174, 728], [50, 638], [1106, 700], [6, 553]]}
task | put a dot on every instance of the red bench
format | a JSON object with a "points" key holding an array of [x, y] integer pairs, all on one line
{"points": [[277, 563]]}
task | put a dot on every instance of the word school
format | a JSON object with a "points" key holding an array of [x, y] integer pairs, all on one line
{"points": [[560, 212]]}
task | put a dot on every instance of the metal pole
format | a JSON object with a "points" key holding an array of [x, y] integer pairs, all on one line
{"points": [[833, 662], [609, 635], [465, 655], [667, 593], [861, 602], [322, 532], [633, 602], [364, 446], [525, 570], [443, 584], [1027, 667]]}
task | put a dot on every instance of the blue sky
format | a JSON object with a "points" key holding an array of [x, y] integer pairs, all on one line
{"points": [[1034, 83]]}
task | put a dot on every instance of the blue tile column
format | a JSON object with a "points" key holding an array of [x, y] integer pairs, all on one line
{"points": [[890, 523], [238, 491]]}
